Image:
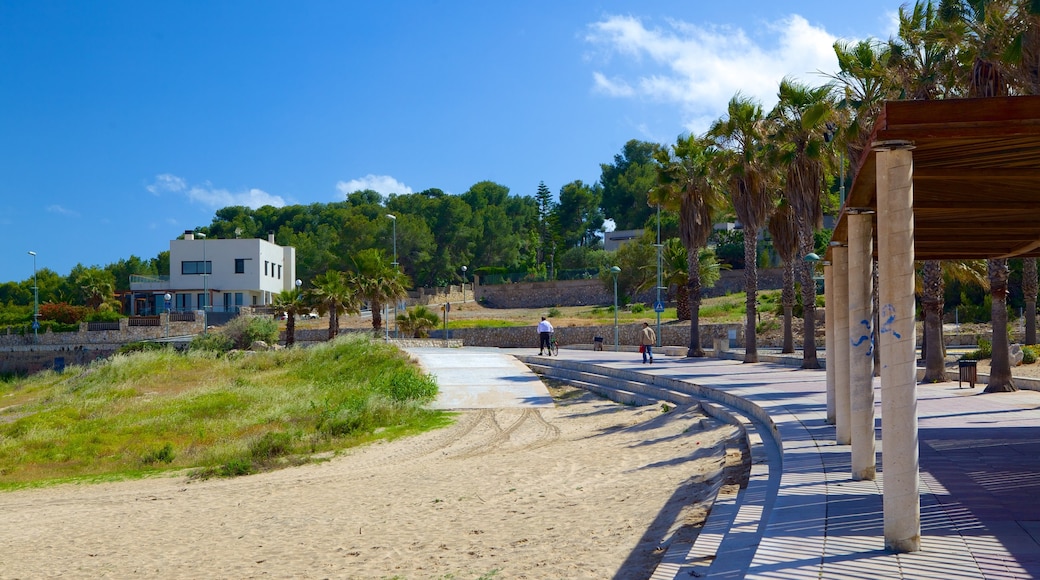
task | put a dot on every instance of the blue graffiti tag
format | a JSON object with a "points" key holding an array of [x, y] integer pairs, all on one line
{"points": [[868, 337], [888, 313]]}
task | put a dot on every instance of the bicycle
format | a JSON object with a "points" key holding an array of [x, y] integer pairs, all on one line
{"points": [[554, 346]]}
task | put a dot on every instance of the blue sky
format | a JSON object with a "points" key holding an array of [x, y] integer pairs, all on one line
{"points": [[124, 123]]}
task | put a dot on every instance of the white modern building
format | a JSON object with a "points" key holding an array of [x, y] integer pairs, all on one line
{"points": [[216, 275]]}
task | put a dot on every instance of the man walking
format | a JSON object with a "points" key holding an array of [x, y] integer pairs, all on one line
{"points": [[647, 339], [545, 330]]}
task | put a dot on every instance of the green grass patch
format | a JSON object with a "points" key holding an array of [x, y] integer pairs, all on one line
{"points": [[148, 412]]}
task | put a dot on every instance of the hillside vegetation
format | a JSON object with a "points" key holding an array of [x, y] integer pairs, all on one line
{"points": [[151, 412]]}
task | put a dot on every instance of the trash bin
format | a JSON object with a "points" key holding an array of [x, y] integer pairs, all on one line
{"points": [[597, 343], [967, 370]]}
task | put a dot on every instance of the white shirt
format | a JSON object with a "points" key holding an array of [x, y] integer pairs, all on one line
{"points": [[544, 326]]}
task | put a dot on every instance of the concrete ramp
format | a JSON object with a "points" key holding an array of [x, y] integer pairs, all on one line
{"points": [[480, 378]]}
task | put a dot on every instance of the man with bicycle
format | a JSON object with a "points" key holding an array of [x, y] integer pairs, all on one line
{"points": [[545, 330]]}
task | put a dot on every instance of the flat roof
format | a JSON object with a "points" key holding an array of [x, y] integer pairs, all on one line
{"points": [[976, 176]]}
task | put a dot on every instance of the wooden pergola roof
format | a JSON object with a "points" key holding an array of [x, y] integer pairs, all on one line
{"points": [[976, 176]]}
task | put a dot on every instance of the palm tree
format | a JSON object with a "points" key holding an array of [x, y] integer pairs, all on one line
{"points": [[674, 273], [783, 227], [685, 184], [932, 307], [418, 321], [1000, 364], [292, 303], [987, 35], [931, 285], [333, 293], [377, 282], [799, 148], [98, 287], [1029, 289], [743, 167]]}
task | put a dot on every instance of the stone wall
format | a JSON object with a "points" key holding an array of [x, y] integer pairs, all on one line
{"points": [[23, 353], [628, 334], [587, 292], [545, 294]]}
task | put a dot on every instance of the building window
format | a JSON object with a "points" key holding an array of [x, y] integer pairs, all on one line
{"points": [[202, 300], [238, 299], [183, 301], [196, 267], [279, 271], [255, 297], [265, 267], [240, 265]]}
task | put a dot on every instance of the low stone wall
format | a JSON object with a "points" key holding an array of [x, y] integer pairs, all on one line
{"points": [[586, 292], [628, 334], [54, 350], [545, 294]]}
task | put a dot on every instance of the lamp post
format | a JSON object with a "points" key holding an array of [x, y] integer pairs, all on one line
{"points": [[812, 258], [614, 271], [464, 284], [36, 301], [205, 285], [386, 308], [658, 305], [167, 298]]}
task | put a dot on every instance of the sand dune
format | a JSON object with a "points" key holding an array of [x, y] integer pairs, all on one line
{"points": [[587, 489]]}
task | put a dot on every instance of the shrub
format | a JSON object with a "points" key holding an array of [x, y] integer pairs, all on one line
{"points": [[163, 455], [235, 467], [554, 312], [271, 445], [1029, 353], [637, 307], [102, 315], [243, 331], [212, 341], [62, 312], [142, 346], [984, 351]]}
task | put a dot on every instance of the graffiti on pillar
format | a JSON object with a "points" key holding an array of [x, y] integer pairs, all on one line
{"points": [[867, 337], [888, 317]]}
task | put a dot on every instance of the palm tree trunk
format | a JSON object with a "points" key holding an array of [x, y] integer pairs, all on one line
{"points": [[1029, 289], [750, 294], [809, 359], [682, 302], [290, 329], [377, 315], [1000, 364], [693, 263], [932, 304], [787, 299]]}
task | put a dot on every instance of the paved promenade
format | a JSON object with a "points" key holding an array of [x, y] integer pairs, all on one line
{"points": [[980, 475]]}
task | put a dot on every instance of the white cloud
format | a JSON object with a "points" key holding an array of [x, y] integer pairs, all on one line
{"points": [[210, 196], [61, 210], [384, 184], [699, 68]]}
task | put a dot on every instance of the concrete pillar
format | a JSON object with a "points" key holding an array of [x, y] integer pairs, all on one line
{"points": [[899, 438], [842, 426], [828, 297], [861, 345]]}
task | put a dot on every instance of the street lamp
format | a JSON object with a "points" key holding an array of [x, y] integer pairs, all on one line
{"points": [[167, 298], [393, 218], [658, 306], [464, 284], [614, 271], [36, 301], [205, 285]]}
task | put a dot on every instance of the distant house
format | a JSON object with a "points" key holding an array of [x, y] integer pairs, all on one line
{"points": [[615, 239], [216, 276]]}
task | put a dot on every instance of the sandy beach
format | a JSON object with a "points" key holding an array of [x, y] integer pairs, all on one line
{"points": [[587, 489]]}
